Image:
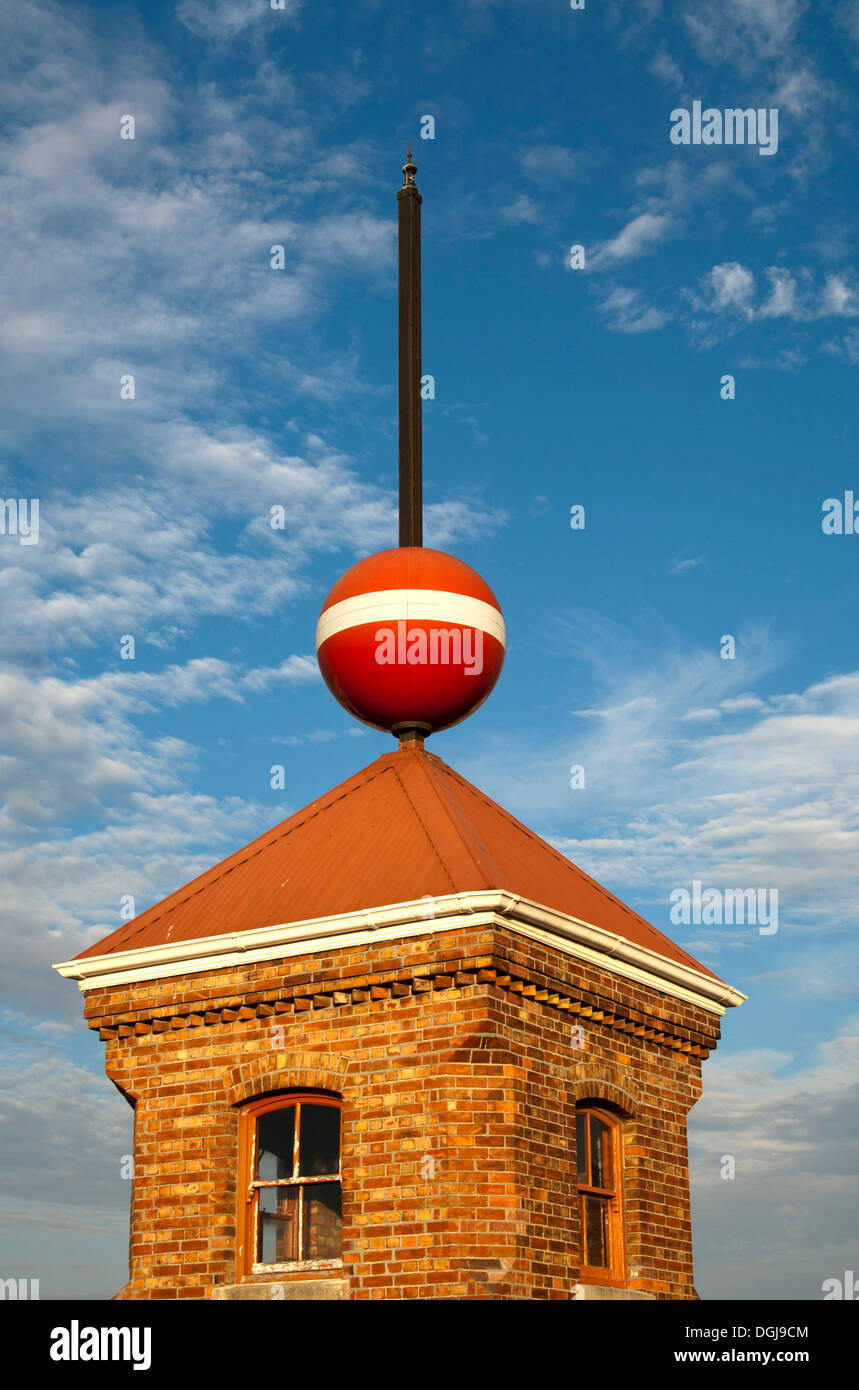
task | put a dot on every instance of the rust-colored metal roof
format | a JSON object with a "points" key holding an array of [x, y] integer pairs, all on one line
{"points": [[405, 827]]}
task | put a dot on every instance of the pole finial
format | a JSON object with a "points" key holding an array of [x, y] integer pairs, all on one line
{"points": [[409, 170]]}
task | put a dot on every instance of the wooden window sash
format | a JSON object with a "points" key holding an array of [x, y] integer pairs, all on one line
{"points": [[249, 1220], [615, 1274]]}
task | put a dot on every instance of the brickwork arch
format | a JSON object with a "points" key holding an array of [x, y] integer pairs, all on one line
{"points": [[322, 1071], [608, 1085]]}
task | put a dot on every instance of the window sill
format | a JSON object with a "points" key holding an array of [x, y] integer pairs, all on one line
{"points": [[294, 1267], [609, 1293], [287, 1291]]}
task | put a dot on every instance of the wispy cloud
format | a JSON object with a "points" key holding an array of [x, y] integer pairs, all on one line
{"points": [[523, 210], [224, 19], [625, 310], [683, 565], [549, 163], [744, 33], [663, 66], [638, 238], [690, 773], [786, 1119]]}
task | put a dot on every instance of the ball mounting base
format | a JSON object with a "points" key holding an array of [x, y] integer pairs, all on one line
{"points": [[411, 733]]}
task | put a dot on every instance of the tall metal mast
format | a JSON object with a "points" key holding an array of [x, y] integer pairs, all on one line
{"points": [[411, 452]]}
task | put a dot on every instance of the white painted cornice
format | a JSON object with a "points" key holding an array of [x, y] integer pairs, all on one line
{"points": [[423, 917]]}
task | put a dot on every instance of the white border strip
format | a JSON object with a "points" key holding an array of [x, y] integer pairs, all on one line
{"points": [[389, 606], [490, 908]]}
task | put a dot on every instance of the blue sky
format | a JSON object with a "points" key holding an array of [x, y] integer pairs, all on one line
{"points": [[554, 387]]}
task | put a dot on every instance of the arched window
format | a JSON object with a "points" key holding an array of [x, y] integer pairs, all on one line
{"points": [[289, 1156], [598, 1163]]}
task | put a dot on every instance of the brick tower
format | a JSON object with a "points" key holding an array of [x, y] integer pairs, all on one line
{"points": [[399, 1046]]}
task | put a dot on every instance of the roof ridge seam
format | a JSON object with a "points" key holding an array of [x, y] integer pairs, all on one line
{"points": [[424, 828], [458, 829]]}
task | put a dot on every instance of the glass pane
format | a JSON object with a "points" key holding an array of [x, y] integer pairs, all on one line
{"points": [[581, 1148], [600, 1154], [275, 1139], [322, 1221], [596, 1232], [278, 1225], [320, 1140]]}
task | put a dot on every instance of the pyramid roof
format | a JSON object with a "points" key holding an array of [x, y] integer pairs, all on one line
{"points": [[406, 827]]}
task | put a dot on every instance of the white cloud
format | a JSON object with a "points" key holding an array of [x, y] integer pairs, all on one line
{"points": [[64, 1213], [626, 311], [224, 19], [663, 66], [847, 19], [632, 22], [800, 90], [117, 249], [840, 296], [71, 1126], [295, 669], [68, 746], [150, 561], [64, 891], [731, 287], [730, 290], [764, 796], [788, 1120], [744, 32], [523, 210], [783, 295], [639, 237], [676, 187], [846, 347]]}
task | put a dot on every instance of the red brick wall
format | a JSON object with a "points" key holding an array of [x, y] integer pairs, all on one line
{"points": [[454, 1057]]}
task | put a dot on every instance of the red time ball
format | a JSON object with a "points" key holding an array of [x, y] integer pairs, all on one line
{"points": [[410, 639]]}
